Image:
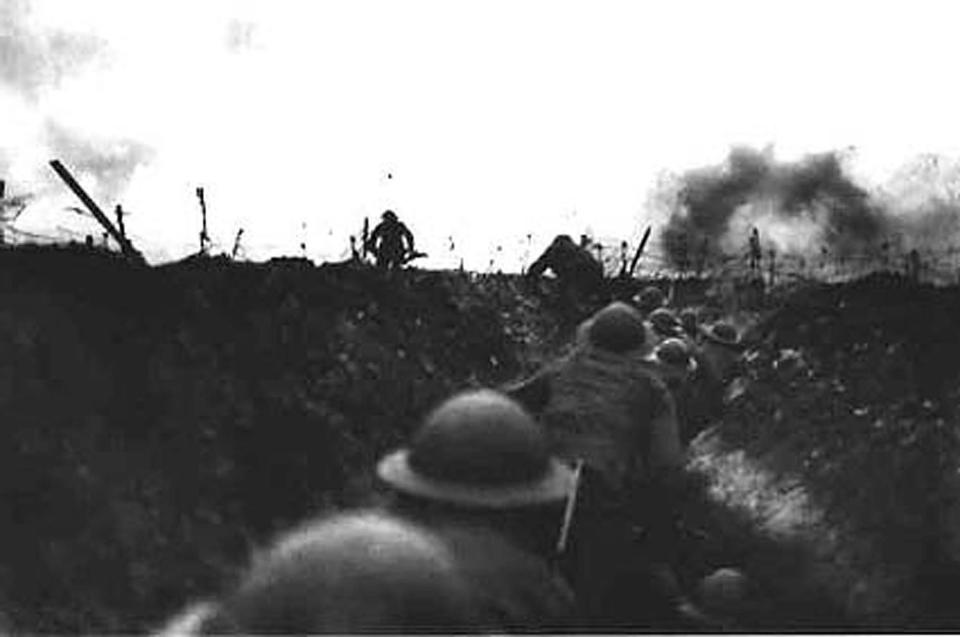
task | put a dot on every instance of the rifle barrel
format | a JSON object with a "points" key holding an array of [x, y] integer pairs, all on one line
{"points": [[569, 509]]}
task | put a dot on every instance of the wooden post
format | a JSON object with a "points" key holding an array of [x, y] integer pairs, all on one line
{"points": [[125, 246], [204, 237], [643, 244], [236, 244], [118, 211]]}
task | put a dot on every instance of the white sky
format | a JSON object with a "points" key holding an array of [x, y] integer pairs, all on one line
{"points": [[496, 118]]}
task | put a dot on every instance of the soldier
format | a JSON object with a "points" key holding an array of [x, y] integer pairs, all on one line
{"points": [[602, 406], [607, 371], [578, 273], [914, 265], [358, 572], [391, 242], [620, 329], [480, 465], [648, 299], [690, 323], [663, 324], [756, 253], [722, 348], [674, 362]]}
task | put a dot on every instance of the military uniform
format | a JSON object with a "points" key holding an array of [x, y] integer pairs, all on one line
{"points": [[579, 274], [602, 405], [478, 472], [391, 241]]}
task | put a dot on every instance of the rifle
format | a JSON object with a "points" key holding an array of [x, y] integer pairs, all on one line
{"points": [[410, 256], [569, 510]]}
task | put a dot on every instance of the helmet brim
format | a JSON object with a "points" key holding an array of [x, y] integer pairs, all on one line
{"points": [[673, 371], [708, 334], [554, 486]]}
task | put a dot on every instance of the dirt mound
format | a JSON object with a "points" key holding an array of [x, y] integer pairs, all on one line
{"points": [[158, 422], [842, 435]]}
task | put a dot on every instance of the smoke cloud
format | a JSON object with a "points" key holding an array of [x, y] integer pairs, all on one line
{"points": [[109, 162], [36, 60], [799, 208], [32, 59]]}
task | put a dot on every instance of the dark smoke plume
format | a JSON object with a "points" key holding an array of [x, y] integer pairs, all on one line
{"points": [[710, 203], [31, 60]]}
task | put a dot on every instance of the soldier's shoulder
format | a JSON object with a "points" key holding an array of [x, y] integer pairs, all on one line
{"points": [[515, 586]]}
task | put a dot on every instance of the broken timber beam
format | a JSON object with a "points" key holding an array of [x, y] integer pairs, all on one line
{"points": [[125, 246], [643, 244]]}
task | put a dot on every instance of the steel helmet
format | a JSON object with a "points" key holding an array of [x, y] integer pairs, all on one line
{"points": [[665, 322], [689, 321], [649, 299], [617, 327], [723, 334], [479, 449], [353, 572], [674, 356]]}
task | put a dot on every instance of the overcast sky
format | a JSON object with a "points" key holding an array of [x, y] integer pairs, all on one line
{"points": [[495, 118]]}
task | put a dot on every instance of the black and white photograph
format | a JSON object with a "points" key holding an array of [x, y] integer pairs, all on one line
{"points": [[479, 317]]}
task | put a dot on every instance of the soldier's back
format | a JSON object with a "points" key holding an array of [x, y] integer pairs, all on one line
{"points": [[601, 410]]}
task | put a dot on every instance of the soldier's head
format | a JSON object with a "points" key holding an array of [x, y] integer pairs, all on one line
{"points": [[481, 456], [649, 299], [389, 215], [616, 328], [665, 323], [356, 572], [674, 360], [722, 345], [690, 322]]}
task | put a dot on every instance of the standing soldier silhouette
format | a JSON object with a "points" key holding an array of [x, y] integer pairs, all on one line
{"points": [[391, 242], [755, 252]]}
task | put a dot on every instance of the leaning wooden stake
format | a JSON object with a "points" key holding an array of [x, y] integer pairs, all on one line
{"points": [[125, 246], [236, 244], [643, 244]]}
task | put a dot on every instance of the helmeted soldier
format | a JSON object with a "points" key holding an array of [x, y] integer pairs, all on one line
{"points": [[617, 328], [663, 324], [480, 464], [722, 347], [674, 361], [355, 572], [756, 252], [648, 300], [701, 398], [690, 322], [578, 273], [592, 399], [391, 241], [602, 405]]}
